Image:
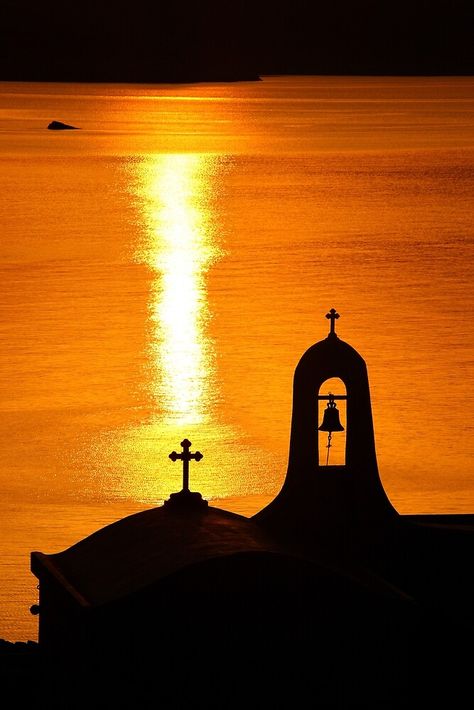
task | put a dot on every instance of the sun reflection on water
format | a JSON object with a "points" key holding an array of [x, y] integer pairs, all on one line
{"points": [[181, 248], [180, 241]]}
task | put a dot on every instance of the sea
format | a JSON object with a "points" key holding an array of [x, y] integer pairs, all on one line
{"points": [[165, 266]]}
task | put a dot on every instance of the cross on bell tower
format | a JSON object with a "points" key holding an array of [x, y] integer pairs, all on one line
{"points": [[332, 316]]}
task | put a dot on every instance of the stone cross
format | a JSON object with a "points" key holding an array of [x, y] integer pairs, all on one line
{"points": [[186, 457], [332, 316]]}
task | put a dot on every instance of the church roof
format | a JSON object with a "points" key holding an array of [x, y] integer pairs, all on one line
{"points": [[327, 579], [142, 549]]}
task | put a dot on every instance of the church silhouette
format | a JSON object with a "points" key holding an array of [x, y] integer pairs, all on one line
{"points": [[326, 598]]}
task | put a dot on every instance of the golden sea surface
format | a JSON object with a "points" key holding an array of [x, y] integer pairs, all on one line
{"points": [[165, 267]]}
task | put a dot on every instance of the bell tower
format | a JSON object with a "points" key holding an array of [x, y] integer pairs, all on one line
{"points": [[318, 495]]}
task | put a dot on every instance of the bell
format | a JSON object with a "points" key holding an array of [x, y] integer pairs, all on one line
{"points": [[331, 417]]}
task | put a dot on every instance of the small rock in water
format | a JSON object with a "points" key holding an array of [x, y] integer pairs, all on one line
{"points": [[59, 126]]}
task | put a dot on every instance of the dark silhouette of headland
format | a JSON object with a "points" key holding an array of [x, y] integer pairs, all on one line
{"points": [[181, 42], [325, 598]]}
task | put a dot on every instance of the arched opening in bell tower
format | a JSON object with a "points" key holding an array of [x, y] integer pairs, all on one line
{"points": [[332, 423]]}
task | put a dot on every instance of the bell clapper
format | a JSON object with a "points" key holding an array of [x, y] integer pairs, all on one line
{"points": [[328, 447]]}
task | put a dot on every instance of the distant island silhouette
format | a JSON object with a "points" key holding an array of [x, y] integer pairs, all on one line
{"points": [[60, 126]]}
